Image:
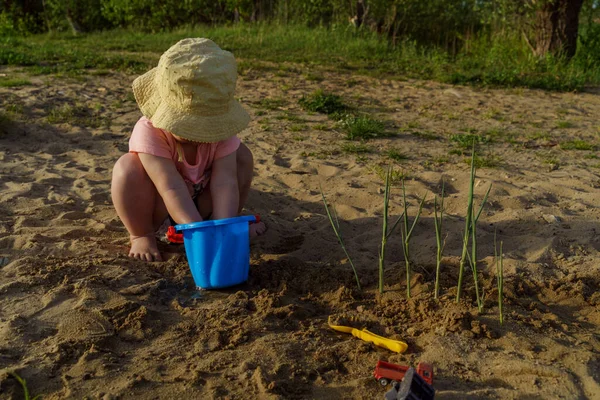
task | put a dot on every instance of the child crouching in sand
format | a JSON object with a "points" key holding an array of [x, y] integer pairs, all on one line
{"points": [[185, 161]]}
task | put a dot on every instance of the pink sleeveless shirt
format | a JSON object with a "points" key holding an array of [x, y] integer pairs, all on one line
{"points": [[157, 142]]}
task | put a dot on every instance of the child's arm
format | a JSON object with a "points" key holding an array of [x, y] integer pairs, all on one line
{"points": [[171, 187], [224, 187]]}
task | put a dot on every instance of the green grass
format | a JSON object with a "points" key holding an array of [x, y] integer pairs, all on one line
{"points": [[271, 104], [298, 127], [335, 224], [396, 155], [362, 127], [504, 61], [577, 145], [313, 77], [321, 127], [440, 160], [465, 141], [356, 148], [323, 102], [23, 383], [13, 105], [489, 161], [14, 82], [565, 124], [541, 135], [290, 117], [425, 135], [549, 159], [396, 176], [78, 115]]}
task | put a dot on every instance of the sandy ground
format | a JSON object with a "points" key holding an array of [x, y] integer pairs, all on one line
{"points": [[80, 320]]}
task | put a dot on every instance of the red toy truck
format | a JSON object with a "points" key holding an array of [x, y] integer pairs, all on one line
{"points": [[386, 372]]}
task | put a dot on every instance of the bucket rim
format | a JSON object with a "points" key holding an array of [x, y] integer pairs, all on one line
{"points": [[216, 222]]}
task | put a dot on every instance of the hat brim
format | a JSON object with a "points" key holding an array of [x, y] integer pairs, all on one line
{"points": [[194, 127]]}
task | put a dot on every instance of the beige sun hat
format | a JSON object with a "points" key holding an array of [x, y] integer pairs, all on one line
{"points": [[190, 92]]}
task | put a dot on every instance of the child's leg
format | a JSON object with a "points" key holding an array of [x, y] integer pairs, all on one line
{"points": [[139, 206]]}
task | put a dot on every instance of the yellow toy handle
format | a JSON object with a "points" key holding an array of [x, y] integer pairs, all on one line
{"points": [[393, 345]]}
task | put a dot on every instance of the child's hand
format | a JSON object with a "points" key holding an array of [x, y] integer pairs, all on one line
{"points": [[257, 229]]}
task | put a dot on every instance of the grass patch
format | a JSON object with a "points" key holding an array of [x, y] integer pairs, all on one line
{"points": [[290, 117], [548, 159], [323, 102], [13, 105], [395, 177], [489, 161], [412, 125], [396, 155], [440, 160], [362, 127], [321, 127], [313, 77], [425, 135], [271, 104], [457, 152], [492, 114], [591, 157], [541, 135], [565, 125], [500, 61], [78, 115], [356, 148], [298, 127], [577, 145], [14, 82], [465, 141]]}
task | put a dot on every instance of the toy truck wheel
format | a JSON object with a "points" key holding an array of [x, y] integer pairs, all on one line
{"points": [[383, 382]]}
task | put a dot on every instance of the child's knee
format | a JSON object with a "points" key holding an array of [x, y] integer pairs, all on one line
{"points": [[129, 166], [245, 160]]}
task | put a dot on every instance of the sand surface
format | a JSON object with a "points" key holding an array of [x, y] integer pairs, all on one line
{"points": [[78, 319]]}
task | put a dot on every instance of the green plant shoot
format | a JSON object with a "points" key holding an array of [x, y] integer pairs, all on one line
{"points": [[407, 233], [335, 224], [439, 241], [386, 233], [473, 258], [23, 384]]}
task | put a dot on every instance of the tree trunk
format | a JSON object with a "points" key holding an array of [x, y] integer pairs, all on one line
{"points": [[360, 13], [557, 25], [75, 27]]}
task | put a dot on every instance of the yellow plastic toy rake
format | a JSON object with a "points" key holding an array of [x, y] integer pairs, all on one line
{"points": [[393, 345]]}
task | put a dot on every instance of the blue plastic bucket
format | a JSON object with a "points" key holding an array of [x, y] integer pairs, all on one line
{"points": [[218, 251]]}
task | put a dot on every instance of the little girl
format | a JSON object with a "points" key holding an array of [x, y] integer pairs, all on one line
{"points": [[185, 161]]}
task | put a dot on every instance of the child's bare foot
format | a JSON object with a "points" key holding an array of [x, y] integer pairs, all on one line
{"points": [[144, 248], [257, 229]]}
